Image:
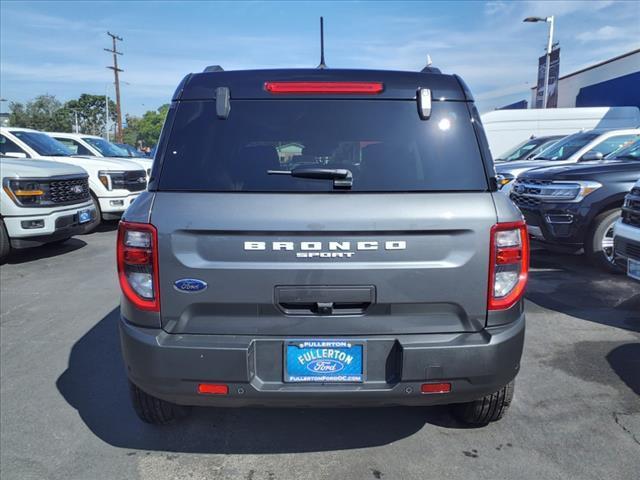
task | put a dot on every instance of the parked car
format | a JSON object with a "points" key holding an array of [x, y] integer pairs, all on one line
{"points": [[131, 150], [506, 128], [579, 147], [42, 202], [94, 146], [576, 206], [528, 149], [114, 184], [626, 232], [386, 272]]}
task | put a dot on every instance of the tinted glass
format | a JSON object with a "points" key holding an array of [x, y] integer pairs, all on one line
{"points": [[75, 147], [383, 143], [7, 146], [614, 143], [566, 147], [43, 144], [629, 152], [521, 151], [107, 149]]}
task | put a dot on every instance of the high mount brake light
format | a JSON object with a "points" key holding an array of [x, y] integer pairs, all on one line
{"points": [[509, 264], [344, 88], [137, 253]]}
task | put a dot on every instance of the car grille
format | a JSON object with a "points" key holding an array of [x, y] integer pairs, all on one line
{"points": [[633, 251], [71, 190], [134, 181], [627, 248], [631, 208], [524, 202]]}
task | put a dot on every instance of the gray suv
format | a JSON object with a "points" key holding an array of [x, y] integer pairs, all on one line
{"points": [[322, 238]]}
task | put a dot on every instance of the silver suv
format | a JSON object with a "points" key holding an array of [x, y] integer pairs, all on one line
{"points": [[322, 238]]}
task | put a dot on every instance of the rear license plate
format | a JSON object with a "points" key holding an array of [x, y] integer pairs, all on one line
{"points": [[84, 216], [331, 361], [633, 269]]}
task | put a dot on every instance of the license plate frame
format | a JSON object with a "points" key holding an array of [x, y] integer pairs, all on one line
{"points": [[633, 269], [84, 215], [321, 366]]}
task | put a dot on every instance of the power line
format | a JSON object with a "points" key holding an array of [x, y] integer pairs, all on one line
{"points": [[116, 71]]}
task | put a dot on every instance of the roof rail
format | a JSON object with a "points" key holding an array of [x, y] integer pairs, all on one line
{"points": [[213, 68]]}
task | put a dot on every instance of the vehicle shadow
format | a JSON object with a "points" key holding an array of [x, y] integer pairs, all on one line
{"points": [[569, 284], [95, 384], [625, 361], [47, 250]]}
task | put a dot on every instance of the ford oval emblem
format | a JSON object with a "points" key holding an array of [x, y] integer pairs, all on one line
{"points": [[189, 285], [325, 365]]}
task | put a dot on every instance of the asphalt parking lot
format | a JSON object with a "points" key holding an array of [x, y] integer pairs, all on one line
{"points": [[65, 411]]}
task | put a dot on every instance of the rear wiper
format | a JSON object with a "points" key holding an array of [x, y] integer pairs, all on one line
{"points": [[342, 178]]}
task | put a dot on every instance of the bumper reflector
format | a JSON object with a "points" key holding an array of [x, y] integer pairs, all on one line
{"points": [[213, 388], [435, 388]]}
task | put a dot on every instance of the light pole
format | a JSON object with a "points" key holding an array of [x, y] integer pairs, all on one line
{"points": [[548, 20]]}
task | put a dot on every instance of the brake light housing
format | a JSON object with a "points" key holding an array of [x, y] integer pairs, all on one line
{"points": [[320, 88], [509, 264], [137, 256]]}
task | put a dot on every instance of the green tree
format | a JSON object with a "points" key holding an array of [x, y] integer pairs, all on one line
{"points": [[90, 110], [145, 129], [44, 112]]}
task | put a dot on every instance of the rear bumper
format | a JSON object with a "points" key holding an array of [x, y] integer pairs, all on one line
{"points": [[170, 366]]}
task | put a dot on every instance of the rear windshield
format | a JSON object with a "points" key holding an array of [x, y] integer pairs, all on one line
{"points": [[383, 143]]}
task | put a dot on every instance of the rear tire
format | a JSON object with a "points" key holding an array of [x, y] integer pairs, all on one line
{"points": [[598, 245], [5, 245], [154, 410], [485, 410]]}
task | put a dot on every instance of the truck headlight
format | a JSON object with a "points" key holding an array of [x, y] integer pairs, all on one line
{"points": [[110, 178], [26, 193]]}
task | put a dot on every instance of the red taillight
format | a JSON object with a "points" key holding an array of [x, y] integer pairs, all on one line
{"points": [[435, 388], [509, 264], [137, 253], [370, 88], [213, 388]]}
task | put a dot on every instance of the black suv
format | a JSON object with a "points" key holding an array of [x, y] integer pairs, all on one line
{"points": [[575, 206]]}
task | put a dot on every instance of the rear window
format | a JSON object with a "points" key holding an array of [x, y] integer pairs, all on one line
{"points": [[383, 143]]}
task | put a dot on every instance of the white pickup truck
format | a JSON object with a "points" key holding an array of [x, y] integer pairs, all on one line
{"points": [[114, 183], [94, 146], [42, 202]]}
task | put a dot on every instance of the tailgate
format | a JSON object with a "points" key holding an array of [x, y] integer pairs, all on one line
{"points": [[324, 264]]}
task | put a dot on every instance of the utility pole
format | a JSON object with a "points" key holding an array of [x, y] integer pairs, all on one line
{"points": [[116, 71]]}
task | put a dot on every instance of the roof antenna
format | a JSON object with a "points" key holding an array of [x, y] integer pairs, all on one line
{"points": [[429, 62], [322, 64]]}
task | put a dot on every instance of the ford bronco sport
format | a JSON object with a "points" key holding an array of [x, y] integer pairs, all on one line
{"points": [[322, 238]]}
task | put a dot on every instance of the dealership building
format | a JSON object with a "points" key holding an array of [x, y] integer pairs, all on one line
{"points": [[611, 83]]}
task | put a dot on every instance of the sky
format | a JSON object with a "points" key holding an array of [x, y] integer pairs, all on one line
{"points": [[57, 47]]}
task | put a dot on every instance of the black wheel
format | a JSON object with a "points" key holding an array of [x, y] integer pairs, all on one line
{"points": [[487, 409], [153, 410], [598, 245], [5, 246]]}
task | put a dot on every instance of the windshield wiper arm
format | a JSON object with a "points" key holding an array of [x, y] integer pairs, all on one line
{"points": [[342, 178]]}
